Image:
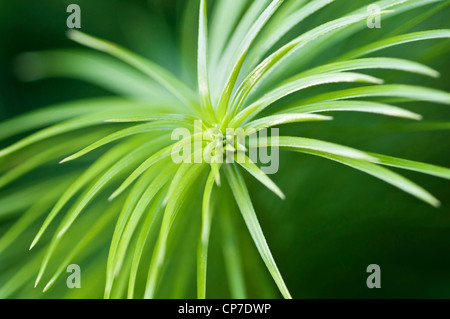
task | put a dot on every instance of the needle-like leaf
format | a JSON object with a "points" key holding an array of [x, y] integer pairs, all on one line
{"points": [[138, 129], [252, 33], [164, 153], [93, 67], [231, 252], [146, 229], [161, 179], [305, 144], [295, 85], [401, 39], [380, 173], [286, 22], [202, 251], [202, 63], [284, 118], [169, 217], [424, 168], [178, 88], [100, 165], [351, 106], [266, 66], [248, 213], [257, 173], [373, 63], [410, 92]]}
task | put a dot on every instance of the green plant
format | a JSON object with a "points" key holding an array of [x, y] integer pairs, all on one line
{"points": [[243, 76]]}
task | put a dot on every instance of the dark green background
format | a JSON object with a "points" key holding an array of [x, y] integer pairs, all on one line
{"points": [[335, 221]]}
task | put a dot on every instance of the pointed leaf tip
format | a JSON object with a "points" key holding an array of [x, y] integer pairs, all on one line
{"points": [[32, 244], [47, 287]]}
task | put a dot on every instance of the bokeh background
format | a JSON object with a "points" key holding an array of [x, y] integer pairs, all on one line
{"points": [[335, 221]]}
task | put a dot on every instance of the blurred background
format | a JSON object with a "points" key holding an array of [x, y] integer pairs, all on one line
{"points": [[335, 221]]}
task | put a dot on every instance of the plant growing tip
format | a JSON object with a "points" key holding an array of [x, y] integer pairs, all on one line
{"points": [[65, 160], [47, 286], [32, 244], [38, 279]]}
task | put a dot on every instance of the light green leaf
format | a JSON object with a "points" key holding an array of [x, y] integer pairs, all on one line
{"points": [[158, 183], [419, 18], [282, 24], [202, 251], [127, 209], [380, 173], [243, 200], [266, 66], [284, 118], [296, 85], [306, 144], [164, 153], [328, 41], [404, 38], [170, 82], [100, 165], [202, 63], [257, 173], [225, 16], [233, 263], [69, 126], [47, 156], [170, 214], [17, 200], [146, 229], [424, 168], [352, 106], [93, 67], [130, 159], [57, 113], [20, 278], [412, 92], [181, 171], [247, 42], [134, 130], [373, 63], [180, 118], [84, 246], [188, 42], [30, 216], [223, 67]]}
